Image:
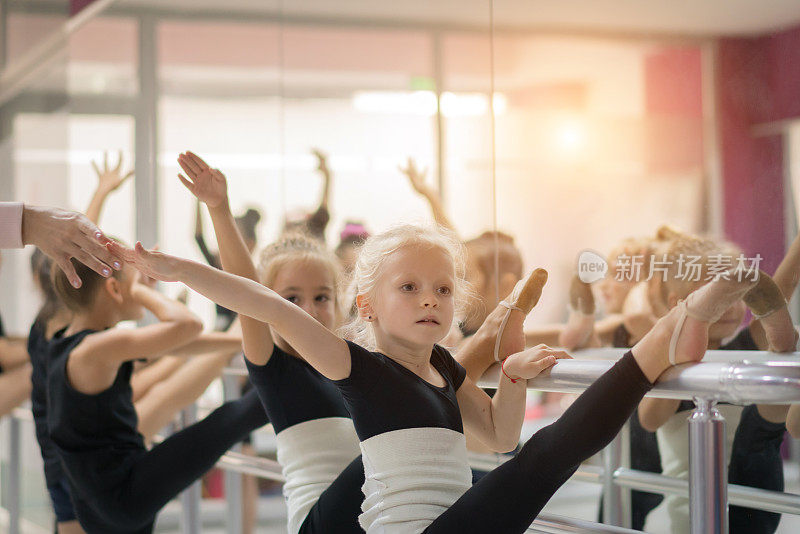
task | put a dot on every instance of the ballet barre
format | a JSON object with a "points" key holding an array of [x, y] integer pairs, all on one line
{"points": [[737, 377], [740, 377], [723, 376]]}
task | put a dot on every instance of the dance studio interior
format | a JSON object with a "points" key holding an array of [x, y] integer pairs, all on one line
{"points": [[615, 148]]}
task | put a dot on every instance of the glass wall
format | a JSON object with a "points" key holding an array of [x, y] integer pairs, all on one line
{"points": [[563, 140]]}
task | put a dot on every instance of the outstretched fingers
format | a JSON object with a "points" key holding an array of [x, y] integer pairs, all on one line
{"points": [[189, 166], [119, 161], [187, 183], [120, 251], [197, 160]]}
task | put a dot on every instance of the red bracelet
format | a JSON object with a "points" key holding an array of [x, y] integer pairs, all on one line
{"points": [[502, 368]]}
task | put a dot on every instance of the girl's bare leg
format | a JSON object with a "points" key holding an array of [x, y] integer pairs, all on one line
{"points": [[165, 399], [145, 378], [70, 527], [772, 329], [483, 349]]}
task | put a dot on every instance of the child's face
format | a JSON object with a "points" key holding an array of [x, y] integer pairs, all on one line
{"points": [[309, 284], [414, 302], [614, 291]]}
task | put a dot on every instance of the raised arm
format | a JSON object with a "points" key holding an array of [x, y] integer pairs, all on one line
{"points": [[108, 181], [416, 177], [94, 363], [497, 421], [210, 186], [320, 347], [210, 342], [787, 274], [325, 171], [210, 257]]}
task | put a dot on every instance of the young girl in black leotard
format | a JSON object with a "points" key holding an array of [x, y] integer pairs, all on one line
{"points": [[117, 485]]}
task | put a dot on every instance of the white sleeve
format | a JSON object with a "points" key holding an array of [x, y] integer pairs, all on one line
{"points": [[10, 225]]}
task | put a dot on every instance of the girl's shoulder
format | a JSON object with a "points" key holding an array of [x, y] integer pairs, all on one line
{"points": [[443, 360]]}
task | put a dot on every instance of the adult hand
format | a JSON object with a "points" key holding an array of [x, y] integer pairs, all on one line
{"points": [[63, 235]]}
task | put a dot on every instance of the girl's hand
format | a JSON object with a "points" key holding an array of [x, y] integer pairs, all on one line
{"points": [[207, 184], [108, 179], [415, 176], [150, 263], [322, 160], [529, 363]]}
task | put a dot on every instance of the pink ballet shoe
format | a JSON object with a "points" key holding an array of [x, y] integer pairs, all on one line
{"points": [[522, 299]]}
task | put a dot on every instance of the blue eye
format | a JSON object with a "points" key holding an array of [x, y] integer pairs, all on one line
{"points": [[444, 290], [407, 287]]}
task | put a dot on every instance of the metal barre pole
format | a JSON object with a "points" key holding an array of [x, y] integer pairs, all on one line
{"points": [[708, 470], [14, 478], [557, 524], [771, 501], [736, 380], [730, 376], [259, 467], [612, 494]]}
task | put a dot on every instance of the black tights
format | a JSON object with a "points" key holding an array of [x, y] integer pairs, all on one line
{"points": [[157, 476], [339, 506], [510, 497]]}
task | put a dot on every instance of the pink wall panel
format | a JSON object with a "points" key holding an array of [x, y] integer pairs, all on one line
{"points": [[758, 81]]}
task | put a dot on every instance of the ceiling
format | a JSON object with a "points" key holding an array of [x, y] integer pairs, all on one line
{"points": [[671, 17]]}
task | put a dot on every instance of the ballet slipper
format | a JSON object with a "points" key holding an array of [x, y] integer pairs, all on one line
{"points": [[523, 298], [768, 305], [580, 325], [765, 298], [708, 304], [581, 299], [684, 330]]}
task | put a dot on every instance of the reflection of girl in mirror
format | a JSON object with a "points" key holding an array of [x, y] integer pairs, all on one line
{"points": [[410, 400], [247, 223], [625, 301], [754, 432], [493, 261], [314, 223]]}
